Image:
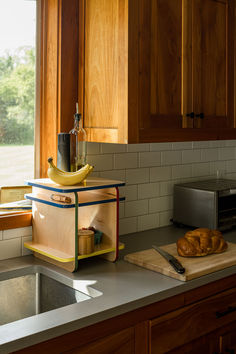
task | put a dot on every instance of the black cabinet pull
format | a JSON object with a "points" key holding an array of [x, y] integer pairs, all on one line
{"points": [[226, 312], [200, 115], [191, 115]]}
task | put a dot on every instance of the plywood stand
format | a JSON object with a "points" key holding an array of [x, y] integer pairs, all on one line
{"points": [[55, 224]]}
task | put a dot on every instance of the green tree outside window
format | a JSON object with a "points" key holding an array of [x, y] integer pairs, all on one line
{"points": [[17, 97]]}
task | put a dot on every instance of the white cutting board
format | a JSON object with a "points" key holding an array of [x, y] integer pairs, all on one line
{"points": [[194, 266]]}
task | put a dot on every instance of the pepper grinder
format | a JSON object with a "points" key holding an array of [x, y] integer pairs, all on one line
{"points": [[63, 151]]}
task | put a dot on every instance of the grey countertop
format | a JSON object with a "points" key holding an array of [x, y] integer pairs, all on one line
{"points": [[124, 287]]}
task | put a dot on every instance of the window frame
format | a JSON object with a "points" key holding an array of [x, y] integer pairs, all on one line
{"points": [[57, 84]]}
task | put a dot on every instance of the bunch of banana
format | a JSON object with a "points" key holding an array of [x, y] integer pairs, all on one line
{"points": [[65, 178]]}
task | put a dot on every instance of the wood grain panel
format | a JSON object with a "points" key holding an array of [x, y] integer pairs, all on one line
{"points": [[227, 340], [106, 70], [81, 55], [196, 320], [161, 63], [101, 63], [68, 65], [145, 64], [46, 229], [119, 343], [231, 116], [187, 84], [49, 87], [58, 74], [142, 338], [13, 221], [210, 62], [70, 266], [133, 118], [165, 58], [102, 217], [168, 134], [205, 344]]}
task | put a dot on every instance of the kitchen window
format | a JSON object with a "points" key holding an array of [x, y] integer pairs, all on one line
{"points": [[60, 37], [17, 90], [18, 47]]}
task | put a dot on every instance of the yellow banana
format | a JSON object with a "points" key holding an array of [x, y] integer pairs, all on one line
{"points": [[50, 161], [65, 178]]}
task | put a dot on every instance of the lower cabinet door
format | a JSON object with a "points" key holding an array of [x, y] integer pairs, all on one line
{"points": [[118, 343], [205, 345], [193, 322]]}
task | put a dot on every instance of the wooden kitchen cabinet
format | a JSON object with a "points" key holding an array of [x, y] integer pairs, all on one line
{"points": [[190, 323], [119, 343], [212, 72], [206, 344], [147, 66], [221, 341]]}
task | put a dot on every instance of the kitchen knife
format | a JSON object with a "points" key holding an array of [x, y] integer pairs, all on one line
{"points": [[171, 259]]}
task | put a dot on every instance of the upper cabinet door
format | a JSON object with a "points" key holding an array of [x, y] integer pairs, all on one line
{"points": [[157, 70], [161, 70], [212, 68], [103, 67]]}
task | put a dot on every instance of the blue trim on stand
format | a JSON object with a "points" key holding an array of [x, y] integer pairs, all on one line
{"points": [[74, 189], [66, 206]]}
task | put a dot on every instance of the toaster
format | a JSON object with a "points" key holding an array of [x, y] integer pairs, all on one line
{"points": [[207, 203]]}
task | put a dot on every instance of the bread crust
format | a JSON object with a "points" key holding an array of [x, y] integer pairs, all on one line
{"points": [[201, 242]]}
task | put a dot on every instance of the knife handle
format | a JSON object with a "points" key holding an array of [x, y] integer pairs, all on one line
{"points": [[177, 266]]}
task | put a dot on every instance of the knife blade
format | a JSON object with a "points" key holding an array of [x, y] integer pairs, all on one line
{"points": [[171, 259]]}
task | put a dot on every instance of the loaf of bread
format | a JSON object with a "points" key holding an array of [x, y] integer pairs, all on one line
{"points": [[201, 242]]}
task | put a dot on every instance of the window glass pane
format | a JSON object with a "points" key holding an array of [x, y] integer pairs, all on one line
{"points": [[17, 90]]}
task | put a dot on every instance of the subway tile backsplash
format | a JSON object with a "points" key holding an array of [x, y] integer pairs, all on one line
{"points": [[11, 242], [10, 248], [150, 172]]}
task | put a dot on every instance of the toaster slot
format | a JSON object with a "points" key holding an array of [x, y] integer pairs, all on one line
{"points": [[227, 211]]}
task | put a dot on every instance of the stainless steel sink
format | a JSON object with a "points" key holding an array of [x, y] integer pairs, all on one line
{"points": [[24, 295]]}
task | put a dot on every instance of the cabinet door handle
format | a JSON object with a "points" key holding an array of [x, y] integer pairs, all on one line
{"points": [[200, 115], [191, 115], [226, 312]]}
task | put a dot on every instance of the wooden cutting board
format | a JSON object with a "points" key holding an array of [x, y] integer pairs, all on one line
{"points": [[194, 267]]}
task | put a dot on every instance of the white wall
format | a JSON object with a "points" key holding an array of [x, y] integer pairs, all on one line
{"points": [[149, 171]]}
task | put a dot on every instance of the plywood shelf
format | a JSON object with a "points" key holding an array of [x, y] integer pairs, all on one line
{"points": [[49, 252], [64, 257], [101, 249]]}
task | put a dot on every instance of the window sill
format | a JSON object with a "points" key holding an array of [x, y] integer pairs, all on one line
{"points": [[13, 221]]}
